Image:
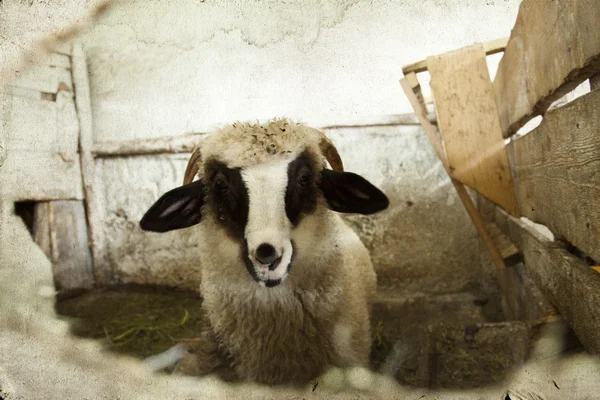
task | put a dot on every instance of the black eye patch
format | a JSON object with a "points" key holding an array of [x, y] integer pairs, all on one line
{"points": [[301, 192], [228, 197]]}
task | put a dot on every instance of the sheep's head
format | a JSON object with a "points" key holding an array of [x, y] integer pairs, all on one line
{"points": [[258, 182]]}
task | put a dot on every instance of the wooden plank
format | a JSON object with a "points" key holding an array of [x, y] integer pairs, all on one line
{"points": [[421, 113], [40, 176], [40, 125], [554, 46], [568, 283], [380, 120], [557, 173], [88, 167], [71, 257], [492, 47], [504, 245], [4, 117], [44, 78], [67, 124], [55, 60], [169, 144], [41, 227], [467, 117]]}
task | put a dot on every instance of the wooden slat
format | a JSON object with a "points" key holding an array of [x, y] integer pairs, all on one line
{"points": [[71, 257], [378, 120], [41, 227], [557, 170], [554, 46], [40, 176], [43, 78], [55, 60], [88, 167], [41, 125], [492, 47], [504, 245], [408, 85], [468, 121], [568, 283], [174, 145], [5, 106]]}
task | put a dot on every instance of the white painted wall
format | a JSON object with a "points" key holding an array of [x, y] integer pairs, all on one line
{"points": [[166, 67]]}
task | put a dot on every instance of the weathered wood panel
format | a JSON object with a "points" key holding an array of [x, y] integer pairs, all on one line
{"points": [[467, 117], [554, 46], [40, 176], [71, 257], [557, 173], [41, 227], [55, 60], [44, 78], [4, 116], [41, 125], [569, 284]]}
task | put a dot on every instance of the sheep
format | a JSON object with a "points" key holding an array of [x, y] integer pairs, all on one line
{"points": [[268, 205]]}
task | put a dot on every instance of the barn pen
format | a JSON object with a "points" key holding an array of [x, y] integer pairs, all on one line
{"points": [[487, 258]]}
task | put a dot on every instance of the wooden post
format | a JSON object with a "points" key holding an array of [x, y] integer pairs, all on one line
{"points": [[84, 113]]}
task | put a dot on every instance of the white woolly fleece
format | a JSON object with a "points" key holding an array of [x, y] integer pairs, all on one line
{"points": [[244, 144]]}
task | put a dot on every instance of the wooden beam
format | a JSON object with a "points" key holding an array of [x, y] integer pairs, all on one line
{"points": [[44, 78], [380, 120], [557, 166], [492, 47], [554, 46], [71, 257], [479, 224], [40, 176], [169, 145], [41, 227], [420, 112], [88, 168], [568, 283], [468, 121]]}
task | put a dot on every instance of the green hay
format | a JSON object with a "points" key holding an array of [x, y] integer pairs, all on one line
{"points": [[135, 321]]}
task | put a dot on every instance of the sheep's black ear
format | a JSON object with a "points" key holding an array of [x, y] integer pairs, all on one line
{"points": [[351, 193], [178, 208]]}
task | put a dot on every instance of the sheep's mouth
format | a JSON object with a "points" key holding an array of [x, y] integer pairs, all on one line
{"points": [[267, 276]]}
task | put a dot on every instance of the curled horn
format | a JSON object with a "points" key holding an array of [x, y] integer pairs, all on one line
{"points": [[330, 153], [192, 168]]}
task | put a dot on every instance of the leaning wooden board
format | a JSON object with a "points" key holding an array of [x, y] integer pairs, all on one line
{"points": [[468, 121], [557, 173], [554, 46]]}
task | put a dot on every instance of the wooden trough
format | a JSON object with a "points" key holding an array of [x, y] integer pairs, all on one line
{"points": [[551, 175]]}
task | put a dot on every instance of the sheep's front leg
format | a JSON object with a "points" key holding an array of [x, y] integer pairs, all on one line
{"points": [[204, 357]]}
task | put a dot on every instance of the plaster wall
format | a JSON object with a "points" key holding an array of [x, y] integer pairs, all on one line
{"points": [[167, 67]]}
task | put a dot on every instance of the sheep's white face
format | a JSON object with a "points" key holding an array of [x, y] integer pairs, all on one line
{"points": [[261, 205], [267, 235]]}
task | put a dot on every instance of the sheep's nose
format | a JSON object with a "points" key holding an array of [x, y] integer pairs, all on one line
{"points": [[266, 254]]}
